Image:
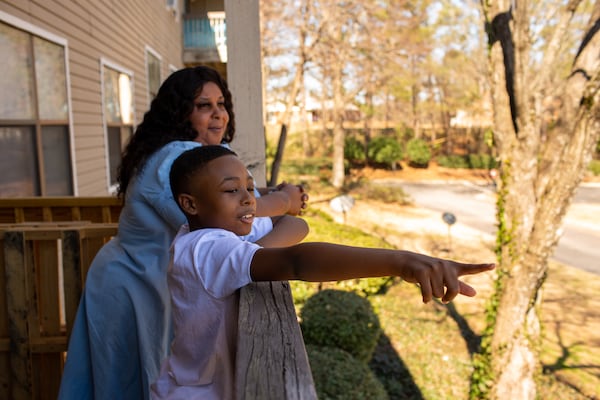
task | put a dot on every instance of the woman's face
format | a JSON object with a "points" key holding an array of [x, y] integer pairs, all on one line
{"points": [[209, 116]]}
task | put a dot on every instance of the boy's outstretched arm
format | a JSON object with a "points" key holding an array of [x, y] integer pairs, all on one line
{"points": [[287, 231], [321, 262]]}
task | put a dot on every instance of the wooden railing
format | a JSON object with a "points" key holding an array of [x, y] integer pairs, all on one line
{"points": [[44, 268], [271, 359], [60, 209], [46, 247]]}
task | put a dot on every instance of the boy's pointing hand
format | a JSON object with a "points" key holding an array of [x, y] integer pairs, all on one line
{"points": [[439, 278]]}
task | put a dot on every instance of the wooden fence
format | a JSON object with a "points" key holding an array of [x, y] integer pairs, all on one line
{"points": [[59, 209], [46, 246]]}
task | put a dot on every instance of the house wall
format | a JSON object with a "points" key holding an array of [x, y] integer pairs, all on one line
{"points": [[116, 32]]}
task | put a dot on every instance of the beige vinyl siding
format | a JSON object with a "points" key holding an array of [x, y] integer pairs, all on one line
{"points": [[117, 31]]}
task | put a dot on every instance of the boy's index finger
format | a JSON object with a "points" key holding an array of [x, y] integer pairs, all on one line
{"points": [[471, 269]]}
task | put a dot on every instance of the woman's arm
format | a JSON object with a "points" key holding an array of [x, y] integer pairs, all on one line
{"points": [[285, 199], [320, 262], [272, 204]]}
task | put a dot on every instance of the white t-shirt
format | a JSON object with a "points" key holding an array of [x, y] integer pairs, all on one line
{"points": [[207, 269]]}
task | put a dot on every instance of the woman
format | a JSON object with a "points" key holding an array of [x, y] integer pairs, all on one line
{"points": [[123, 325]]}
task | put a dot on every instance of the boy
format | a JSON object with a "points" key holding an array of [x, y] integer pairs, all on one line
{"points": [[210, 263]]}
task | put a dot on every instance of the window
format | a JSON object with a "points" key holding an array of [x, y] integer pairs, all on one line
{"points": [[153, 71], [35, 143], [118, 115]]}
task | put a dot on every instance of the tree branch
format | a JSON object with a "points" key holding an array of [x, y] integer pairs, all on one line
{"points": [[554, 48], [499, 30]]}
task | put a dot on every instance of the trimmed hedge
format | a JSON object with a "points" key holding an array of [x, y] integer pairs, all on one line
{"points": [[341, 319], [453, 161], [354, 150], [475, 161], [418, 152], [385, 151], [338, 375]]}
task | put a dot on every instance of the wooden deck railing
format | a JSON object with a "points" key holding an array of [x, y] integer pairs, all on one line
{"points": [[54, 209], [46, 246], [44, 267], [271, 358]]}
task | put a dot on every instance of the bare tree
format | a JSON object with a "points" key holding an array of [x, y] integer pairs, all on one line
{"points": [[398, 42], [357, 51], [365, 46], [294, 20], [343, 34], [546, 125], [459, 74]]}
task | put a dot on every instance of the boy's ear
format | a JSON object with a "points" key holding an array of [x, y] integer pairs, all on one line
{"points": [[188, 203]]}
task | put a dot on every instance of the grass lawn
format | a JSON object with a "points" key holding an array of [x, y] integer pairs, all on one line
{"points": [[426, 350]]}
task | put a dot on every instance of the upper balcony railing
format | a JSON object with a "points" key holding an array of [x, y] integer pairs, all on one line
{"points": [[206, 34]]}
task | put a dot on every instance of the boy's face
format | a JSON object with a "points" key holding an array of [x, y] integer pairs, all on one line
{"points": [[221, 195]]}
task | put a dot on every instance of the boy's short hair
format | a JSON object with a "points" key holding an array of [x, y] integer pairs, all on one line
{"points": [[189, 162]]}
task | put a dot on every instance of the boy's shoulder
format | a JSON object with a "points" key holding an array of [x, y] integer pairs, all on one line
{"points": [[205, 234], [202, 245], [216, 260]]}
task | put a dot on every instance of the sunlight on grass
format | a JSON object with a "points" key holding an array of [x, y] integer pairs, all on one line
{"points": [[426, 350]]}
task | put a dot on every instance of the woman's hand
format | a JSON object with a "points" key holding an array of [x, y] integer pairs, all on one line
{"points": [[298, 197]]}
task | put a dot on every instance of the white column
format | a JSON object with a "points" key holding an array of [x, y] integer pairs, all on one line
{"points": [[245, 82]]}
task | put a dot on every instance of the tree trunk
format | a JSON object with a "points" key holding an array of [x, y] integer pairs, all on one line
{"points": [[338, 173], [368, 122], [278, 156], [542, 163]]}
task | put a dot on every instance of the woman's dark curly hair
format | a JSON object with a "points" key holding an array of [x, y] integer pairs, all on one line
{"points": [[168, 119]]}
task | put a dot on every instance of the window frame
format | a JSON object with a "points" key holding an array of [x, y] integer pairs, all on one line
{"points": [[36, 123], [105, 63], [150, 51]]}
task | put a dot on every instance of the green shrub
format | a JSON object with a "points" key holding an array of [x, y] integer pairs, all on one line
{"points": [[475, 161], [488, 161], [302, 291], [594, 166], [404, 133], [338, 375], [367, 286], [453, 161], [488, 137], [385, 151], [354, 150], [341, 319], [418, 152], [481, 161]]}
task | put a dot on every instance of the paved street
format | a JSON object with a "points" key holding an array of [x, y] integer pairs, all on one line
{"points": [[474, 206]]}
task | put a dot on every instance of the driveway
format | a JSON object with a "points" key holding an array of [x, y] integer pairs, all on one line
{"points": [[474, 208]]}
